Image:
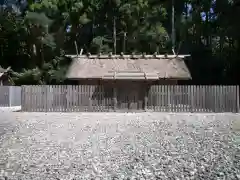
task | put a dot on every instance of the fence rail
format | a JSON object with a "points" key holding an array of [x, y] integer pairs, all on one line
{"points": [[10, 96], [161, 98]]}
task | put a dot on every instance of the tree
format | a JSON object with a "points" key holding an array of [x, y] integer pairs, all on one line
{"points": [[36, 35]]}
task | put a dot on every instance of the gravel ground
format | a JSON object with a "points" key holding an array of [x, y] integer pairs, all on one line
{"points": [[10, 109], [119, 146]]}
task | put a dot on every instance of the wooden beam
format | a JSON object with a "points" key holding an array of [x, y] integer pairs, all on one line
{"points": [[130, 56], [115, 97], [115, 93], [145, 96]]}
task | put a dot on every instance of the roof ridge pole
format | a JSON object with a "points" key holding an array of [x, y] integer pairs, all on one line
{"points": [[75, 42], [81, 51]]}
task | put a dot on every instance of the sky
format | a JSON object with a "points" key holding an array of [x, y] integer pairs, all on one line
{"points": [[203, 14]]}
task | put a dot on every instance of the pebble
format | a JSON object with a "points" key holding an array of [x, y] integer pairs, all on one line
{"points": [[151, 146]]}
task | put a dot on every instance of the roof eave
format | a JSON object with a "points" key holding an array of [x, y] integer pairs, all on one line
{"points": [[128, 56], [128, 78]]}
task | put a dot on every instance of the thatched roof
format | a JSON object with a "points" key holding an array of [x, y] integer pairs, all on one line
{"points": [[2, 70], [128, 67]]}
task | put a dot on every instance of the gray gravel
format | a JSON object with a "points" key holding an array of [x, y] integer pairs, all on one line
{"points": [[119, 146]]}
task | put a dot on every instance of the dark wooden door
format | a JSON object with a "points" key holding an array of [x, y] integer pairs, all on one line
{"points": [[133, 97], [129, 97]]}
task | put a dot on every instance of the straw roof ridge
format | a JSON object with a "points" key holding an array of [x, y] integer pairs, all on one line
{"points": [[124, 65], [2, 70], [133, 56]]}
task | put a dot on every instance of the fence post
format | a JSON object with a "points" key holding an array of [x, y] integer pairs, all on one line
{"points": [[145, 96], [115, 98], [10, 96], [237, 94], [45, 98], [22, 98], [192, 88]]}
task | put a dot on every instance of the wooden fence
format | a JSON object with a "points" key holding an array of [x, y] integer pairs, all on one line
{"points": [[161, 98], [10, 96], [194, 98]]}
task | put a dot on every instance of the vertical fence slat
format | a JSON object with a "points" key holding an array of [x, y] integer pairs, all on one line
{"points": [[82, 96], [203, 98], [176, 98], [57, 98], [237, 99], [223, 98], [31, 98], [71, 98], [176, 102], [191, 98], [164, 98], [197, 93], [157, 95], [27, 96], [200, 101], [53, 97], [160, 94], [187, 98], [36, 98], [184, 100], [229, 99], [232, 98], [164, 102], [22, 98], [180, 99], [173, 98], [220, 96], [36, 101], [217, 91], [215, 99], [210, 99]]}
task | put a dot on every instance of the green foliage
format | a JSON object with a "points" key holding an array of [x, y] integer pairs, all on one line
{"points": [[35, 41], [30, 76]]}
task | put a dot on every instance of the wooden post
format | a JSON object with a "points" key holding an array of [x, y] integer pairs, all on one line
{"points": [[115, 93], [89, 92], [10, 94], [145, 96], [22, 98], [169, 98], [115, 96], [192, 92], [46, 97], [237, 89]]}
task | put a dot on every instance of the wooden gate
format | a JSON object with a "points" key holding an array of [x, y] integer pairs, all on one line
{"points": [[130, 97]]}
